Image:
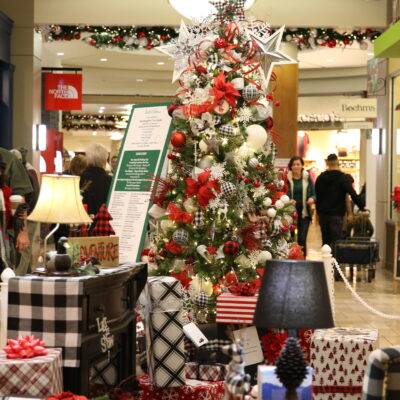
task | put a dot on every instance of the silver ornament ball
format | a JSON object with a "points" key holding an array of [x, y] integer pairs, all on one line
{"points": [[181, 237], [250, 93]]}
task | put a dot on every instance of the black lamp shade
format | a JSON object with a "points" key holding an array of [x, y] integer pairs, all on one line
{"points": [[293, 295]]}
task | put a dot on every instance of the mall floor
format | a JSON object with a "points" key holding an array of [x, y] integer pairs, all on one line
{"points": [[383, 293]]}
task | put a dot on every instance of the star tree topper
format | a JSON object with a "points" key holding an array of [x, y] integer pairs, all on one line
{"points": [[269, 46]]}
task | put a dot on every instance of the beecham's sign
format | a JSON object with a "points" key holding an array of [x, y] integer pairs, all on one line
{"points": [[358, 108]]}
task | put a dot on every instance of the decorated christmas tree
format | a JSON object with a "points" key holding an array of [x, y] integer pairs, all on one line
{"points": [[222, 209]]}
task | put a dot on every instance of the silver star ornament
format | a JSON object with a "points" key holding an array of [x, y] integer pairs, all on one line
{"points": [[269, 46], [213, 144]]}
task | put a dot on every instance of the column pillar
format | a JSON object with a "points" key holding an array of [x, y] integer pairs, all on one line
{"points": [[285, 115], [26, 57]]}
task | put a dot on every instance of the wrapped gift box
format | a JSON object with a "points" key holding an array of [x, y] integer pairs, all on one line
{"points": [[206, 372], [36, 377], [232, 309], [165, 337], [193, 389], [339, 359], [270, 388]]}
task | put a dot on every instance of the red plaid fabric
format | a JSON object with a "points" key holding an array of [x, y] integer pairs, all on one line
{"points": [[337, 389], [34, 377], [213, 373], [102, 225]]}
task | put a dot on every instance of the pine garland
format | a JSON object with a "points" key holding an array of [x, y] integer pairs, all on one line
{"points": [[135, 37]]}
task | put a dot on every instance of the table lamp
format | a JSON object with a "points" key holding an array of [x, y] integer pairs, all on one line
{"points": [[293, 295], [59, 202]]}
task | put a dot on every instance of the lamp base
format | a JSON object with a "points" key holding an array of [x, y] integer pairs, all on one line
{"points": [[291, 394]]}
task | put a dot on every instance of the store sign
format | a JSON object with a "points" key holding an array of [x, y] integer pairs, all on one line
{"points": [[141, 158], [358, 108], [63, 92]]}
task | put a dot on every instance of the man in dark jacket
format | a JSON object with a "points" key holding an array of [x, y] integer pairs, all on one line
{"points": [[331, 188]]}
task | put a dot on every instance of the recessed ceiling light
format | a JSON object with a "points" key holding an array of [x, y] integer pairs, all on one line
{"points": [[371, 54], [101, 111], [161, 63], [60, 54], [139, 80], [103, 59], [330, 60], [94, 133]]}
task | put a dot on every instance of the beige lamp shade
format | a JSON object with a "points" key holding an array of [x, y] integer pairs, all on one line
{"points": [[60, 201]]}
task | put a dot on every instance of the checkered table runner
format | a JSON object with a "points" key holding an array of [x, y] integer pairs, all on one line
{"points": [[51, 309]]}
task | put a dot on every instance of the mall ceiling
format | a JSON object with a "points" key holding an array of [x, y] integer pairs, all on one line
{"points": [[141, 72]]}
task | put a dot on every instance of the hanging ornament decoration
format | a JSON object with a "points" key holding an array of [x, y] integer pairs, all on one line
{"points": [[222, 107], [204, 188], [269, 45], [202, 300], [253, 162], [228, 189], [223, 90], [213, 145], [267, 202], [206, 162], [271, 212], [178, 139], [238, 83], [269, 123], [226, 130], [279, 204], [256, 136], [251, 93], [181, 237], [231, 247]]}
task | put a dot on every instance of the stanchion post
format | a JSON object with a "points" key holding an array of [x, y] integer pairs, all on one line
{"points": [[329, 271], [5, 276]]}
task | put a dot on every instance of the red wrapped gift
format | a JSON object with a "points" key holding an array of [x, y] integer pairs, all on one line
{"points": [[205, 372], [192, 390], [232, 309]]}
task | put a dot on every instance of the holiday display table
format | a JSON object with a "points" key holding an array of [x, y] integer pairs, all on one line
{"points": [[339, 359], [37, 376], [193, 390], [233, 309], [90, 317]]}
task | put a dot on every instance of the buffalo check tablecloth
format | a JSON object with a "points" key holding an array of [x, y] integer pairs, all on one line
{"points": [[50, 308]]}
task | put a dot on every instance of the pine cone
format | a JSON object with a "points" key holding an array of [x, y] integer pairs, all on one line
{"points": [[291, 365]]}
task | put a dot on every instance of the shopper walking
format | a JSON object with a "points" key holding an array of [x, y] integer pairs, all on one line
{"points": [[331, 188], [95, 182], [301, 190]]}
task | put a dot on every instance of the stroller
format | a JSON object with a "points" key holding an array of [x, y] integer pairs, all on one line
{"points": [[359, 252]]}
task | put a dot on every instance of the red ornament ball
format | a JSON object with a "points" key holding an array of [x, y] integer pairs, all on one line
{"points": [[269, 122], [92, 42], [220, 43], [217, 289], [295, 216], [346, 41], [57, 37], [67, 37], [178, 139], [141, 35], [190, 260], [292, 227], [149, 47], [332, 43], [277, 103], [171, 156], [77, 36], [200, 69], [256, 184], [368, 31], [246, 180], [231, 247], [239, 177], [163, 37], [284, 228], [231, 278]]}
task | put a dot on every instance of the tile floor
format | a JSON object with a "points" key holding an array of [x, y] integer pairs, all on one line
{"points": [[383, 293]]}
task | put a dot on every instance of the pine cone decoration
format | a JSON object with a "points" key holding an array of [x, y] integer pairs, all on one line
{"points": [[291, 365]]}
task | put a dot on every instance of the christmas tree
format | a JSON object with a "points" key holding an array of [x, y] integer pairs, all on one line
{"points": [[222, 209]]}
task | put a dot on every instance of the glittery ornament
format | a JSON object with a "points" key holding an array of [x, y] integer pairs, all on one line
{"points": [[250, 93], [253, 162], [220, 43], [181, 237]]}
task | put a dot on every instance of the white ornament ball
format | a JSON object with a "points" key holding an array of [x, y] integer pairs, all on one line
{"points": [[285, 198], [238, 83], [253, 162], [203, 146], [181, 237], [267, 202], [271, 212], [263, 112], [166, 224], [281, 184], [264, 256], [256, 136], [250, 93], [279, 204], [206, 162]]}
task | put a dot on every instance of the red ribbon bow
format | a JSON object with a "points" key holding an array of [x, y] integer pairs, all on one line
{"points": [[224, 90], [25, 347], [202, 188], [245, 288], [177, 215], [174, 248]]}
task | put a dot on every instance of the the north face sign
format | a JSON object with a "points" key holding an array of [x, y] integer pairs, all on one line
{"points": [[63, 92]]}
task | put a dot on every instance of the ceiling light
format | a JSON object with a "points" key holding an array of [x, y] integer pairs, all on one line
{"points": [[330, 60], [103, 59], [371, 54], [199, 9], [161, 63], [60, 54], [101, 111], [94, 133], [139, 80], [117, 136]]}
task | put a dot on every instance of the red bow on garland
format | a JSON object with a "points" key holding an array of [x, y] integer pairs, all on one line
{"points": [[174, 248], [202, 188], [224, 90], [177, 215]]}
